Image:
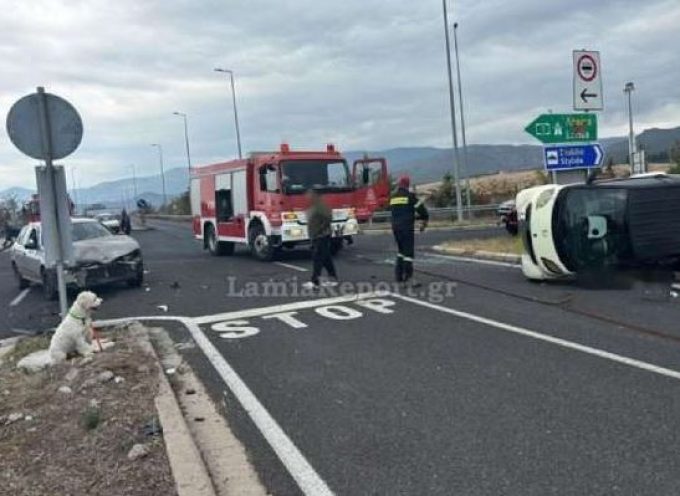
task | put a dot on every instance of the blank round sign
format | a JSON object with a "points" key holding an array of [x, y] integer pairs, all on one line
{"points": [[25, 131]]}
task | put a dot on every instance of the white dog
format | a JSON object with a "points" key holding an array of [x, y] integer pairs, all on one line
{"points": [[74, 334]]}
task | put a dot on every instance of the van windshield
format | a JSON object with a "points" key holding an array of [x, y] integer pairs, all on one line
{"points": [[299, 176], [589, 227]]}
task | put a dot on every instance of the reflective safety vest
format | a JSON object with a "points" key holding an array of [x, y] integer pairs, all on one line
{"points": [[405, 207]]}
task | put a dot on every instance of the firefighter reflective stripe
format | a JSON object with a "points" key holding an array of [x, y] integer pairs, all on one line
{"points": [[420, 202], [399, 200], [404, 258]]}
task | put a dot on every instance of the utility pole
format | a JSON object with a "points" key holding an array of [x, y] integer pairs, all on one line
{"points": [[134, 181], [628, 89], [73, 189], [233, 99], [466, 172], [186, 140], [160, 160], [452, 104]]}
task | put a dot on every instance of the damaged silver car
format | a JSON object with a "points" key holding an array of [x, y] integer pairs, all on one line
{"points": [[101, 258]]}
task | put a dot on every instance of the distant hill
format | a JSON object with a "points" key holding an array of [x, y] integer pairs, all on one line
{"points": [[21, 194], [424, 164]]}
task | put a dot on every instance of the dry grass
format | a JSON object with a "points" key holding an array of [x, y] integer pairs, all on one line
{"points": [[77, 443], [499, 244]]}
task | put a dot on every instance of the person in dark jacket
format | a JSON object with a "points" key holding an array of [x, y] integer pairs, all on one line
{"points": [[405, 208], [125, 225], [319, 218]]}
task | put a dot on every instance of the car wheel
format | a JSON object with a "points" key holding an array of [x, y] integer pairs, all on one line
{"points": [[23, 283], [215, 247], [49, 284], [138, 280], [259, 243]]}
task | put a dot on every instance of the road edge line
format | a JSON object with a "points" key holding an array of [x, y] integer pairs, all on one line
{"points": [[607, 355]]}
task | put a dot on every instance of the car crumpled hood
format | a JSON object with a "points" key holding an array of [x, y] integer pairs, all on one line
{"points": [[103, 250]]}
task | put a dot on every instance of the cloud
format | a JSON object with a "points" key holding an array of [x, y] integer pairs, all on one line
{"points": [[366, 74]]}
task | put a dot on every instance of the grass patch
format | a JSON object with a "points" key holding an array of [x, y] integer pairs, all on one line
{"points": [[27, 346], [497, 244]]}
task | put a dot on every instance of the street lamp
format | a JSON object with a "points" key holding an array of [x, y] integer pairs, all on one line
{"points": [[186, 139], [452, 105], [134, 180], [462, 121], [233, 98], [160, 160], [628, 89]]}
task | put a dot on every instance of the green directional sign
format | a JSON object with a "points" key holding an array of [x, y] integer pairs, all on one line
{"points": [[564, 128]]}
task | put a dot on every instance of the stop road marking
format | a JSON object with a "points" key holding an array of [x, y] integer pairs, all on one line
{"points": [[242, 328]]}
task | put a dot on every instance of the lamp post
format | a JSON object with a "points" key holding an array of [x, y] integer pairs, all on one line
{"points": [[160, 160], [462, 121], [452, 105], [73, 190], [628, 89], [134, 181], [233, 99], [186, 139]]}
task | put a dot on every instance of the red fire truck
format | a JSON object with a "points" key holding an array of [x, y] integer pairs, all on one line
{"points": [[260, 201]]}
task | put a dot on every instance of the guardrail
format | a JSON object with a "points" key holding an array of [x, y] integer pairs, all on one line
{"points": [[380, 216]]}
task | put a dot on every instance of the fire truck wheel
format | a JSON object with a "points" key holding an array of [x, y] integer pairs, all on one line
{"points": [[336, 245], [215, 247], [259, 243], [49, 284]]}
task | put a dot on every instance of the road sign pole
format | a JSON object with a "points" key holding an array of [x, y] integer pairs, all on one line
{"points": [[49, 166]]}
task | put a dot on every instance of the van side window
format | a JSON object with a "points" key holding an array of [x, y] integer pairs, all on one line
{"points": [[268, 178]]}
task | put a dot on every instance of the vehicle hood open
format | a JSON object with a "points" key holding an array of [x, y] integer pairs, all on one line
{"points": [[103, 250]]}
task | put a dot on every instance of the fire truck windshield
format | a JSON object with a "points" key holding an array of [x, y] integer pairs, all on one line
{"points": [[299, 176]]}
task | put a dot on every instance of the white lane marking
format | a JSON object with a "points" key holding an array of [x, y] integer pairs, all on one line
{"points": [[19, 298], [303, 473], [291, 266], [286, 307], [549, 339], [457, 258]]}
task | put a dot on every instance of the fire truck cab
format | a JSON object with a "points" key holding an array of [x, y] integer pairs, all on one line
{"points": [[260, 201]]}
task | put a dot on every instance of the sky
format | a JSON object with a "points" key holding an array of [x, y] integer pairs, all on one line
{"points": [[364, 74]]}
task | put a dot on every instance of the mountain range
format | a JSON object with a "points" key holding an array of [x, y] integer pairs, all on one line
{"points": [[423, 164]]}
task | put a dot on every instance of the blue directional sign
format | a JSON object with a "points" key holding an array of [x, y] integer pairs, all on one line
{"points": [[573, 157]]}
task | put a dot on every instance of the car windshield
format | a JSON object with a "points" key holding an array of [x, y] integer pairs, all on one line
{"points": [[302, 175], [589, 227], [89, 230]]}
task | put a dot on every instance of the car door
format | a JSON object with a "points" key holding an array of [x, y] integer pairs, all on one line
{"points": [[33, 255], [372, 185], [19, 252]]}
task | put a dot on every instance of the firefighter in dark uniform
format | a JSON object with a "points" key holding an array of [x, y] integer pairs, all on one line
{"points": [[405, 207]]}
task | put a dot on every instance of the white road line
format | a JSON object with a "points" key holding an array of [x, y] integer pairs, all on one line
{"points": [[457, 258], [291, 266], [19, 298], [286, 307], [549, 339], [300, 469]]}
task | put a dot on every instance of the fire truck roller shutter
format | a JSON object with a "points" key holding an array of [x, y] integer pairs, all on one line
{"points": [[240, 193]]}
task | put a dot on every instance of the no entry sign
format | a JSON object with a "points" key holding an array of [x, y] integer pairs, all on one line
{"points": [[587, 80]]}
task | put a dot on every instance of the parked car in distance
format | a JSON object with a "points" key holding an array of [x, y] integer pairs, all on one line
{"points": [[110, 221], [507, 211], [100, 258]]}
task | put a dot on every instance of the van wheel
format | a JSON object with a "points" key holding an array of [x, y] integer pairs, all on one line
{"points": [[49, 284], [259, 243], [23, 283], [215, 247]]}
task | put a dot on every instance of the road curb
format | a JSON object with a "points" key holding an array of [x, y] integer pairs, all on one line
{"points": [[480, 254], [187, 465]]}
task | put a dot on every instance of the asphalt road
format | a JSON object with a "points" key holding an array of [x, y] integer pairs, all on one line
{"points": [[477, 383]]}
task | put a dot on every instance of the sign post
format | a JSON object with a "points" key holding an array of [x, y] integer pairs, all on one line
{"points": [[46, 127]]}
